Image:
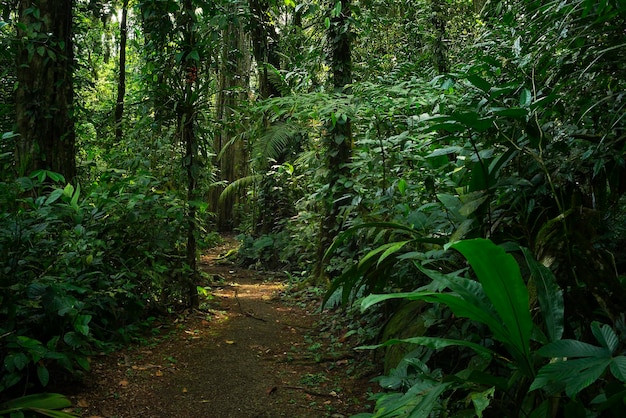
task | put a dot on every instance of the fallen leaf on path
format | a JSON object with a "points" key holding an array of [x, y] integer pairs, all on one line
{"points": [[158, 373], [229, 342], [123, 383], [82, 403], [185, 390]]}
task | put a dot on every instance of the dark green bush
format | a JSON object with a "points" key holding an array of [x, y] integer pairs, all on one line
{"points": [[78, 271]]}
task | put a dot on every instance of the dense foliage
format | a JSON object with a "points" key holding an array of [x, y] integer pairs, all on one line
{"points": [[415, 133]]}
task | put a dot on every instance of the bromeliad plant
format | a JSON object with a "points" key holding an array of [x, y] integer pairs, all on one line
{"points": [[505, 374]]}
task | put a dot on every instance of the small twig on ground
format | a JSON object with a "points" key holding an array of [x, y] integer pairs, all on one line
{"points": [[245, 312], [305, 390]]}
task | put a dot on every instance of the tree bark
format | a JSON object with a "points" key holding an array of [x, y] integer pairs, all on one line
{"points": [[233, 89], [45, 93], [265, 40], [186, 123], [121, 82], [338, 139]]}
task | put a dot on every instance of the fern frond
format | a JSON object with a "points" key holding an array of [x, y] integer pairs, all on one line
{"points": [[275, 141], [278, 81]]}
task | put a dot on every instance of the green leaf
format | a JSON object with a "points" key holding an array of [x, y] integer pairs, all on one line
{"points": [[575, 374], [54, 196], [83, 362], [428, 398], [337, 9], [572, 348], [20, 360], [402, 185], [435, 343], [502, 282], [549, 294], [327, 23], [74, 201], [459, 306], [479, 82], [618, 368], [543, 410], [81, 324], [590, 371], [473, 120], [72, 339], [511, 112], [395, 247], [68, 191], [605, 336], [472, 201], [481, 400], [525, 98], [445, 151], [43, 375], [194, 55], [38, 401]]}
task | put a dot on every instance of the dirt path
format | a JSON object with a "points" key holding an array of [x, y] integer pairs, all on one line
{"points": [[251, 355]]}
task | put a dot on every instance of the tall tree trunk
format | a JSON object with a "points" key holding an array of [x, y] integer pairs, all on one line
{"points": [[439, 47], [186, 123], [338, 139], [265, 39], [264, 46], [45, 92], [233, 89], [121, 82]]}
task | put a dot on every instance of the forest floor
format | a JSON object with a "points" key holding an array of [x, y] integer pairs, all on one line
{"points": [[255, 349]]}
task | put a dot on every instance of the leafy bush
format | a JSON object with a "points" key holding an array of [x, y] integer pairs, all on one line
{"points": [[505, 373], [78, 271]]}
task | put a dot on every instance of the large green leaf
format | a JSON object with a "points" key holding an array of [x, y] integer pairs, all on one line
{"points": [[575, 374], [605, 336], [417, 402], [549, 294], [435, 343], [469, 290], [459, 306], [572, 348], [43, 403], [502, 282]]}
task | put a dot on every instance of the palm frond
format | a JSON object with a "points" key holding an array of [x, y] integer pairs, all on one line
{"points": [[239, 185]]}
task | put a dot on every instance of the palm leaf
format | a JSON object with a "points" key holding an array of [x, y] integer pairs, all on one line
{"points": [[550, 296], [503, 284], [239, 185]]}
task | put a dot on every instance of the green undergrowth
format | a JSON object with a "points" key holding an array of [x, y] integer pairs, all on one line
{"points": [[83, 270]]}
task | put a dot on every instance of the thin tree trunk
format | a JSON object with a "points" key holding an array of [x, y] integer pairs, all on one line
{"points": [[439, 47], [339, 134], [45, 93], [121, 84], [187, 120]]}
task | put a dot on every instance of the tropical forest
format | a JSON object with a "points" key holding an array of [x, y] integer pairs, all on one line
{"points": [[312, 208]]}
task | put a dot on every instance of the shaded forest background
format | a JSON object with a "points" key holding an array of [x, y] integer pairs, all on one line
{"points": [[368, 147]]}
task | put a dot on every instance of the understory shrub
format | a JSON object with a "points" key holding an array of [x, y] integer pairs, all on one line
{"points": [[78, 270]]}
